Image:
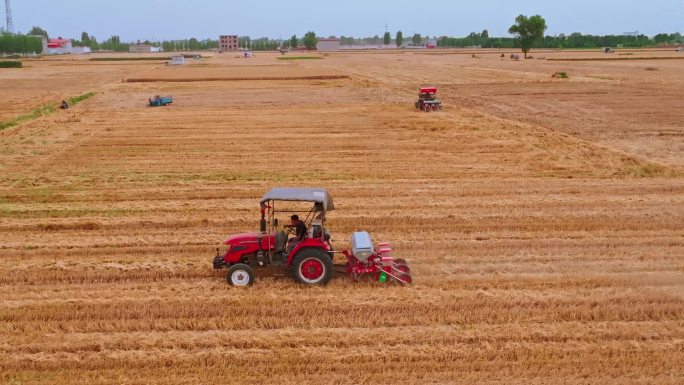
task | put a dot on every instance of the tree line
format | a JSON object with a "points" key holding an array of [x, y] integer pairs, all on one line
{"points": [[574, 40], [399, 40], [24, 44], [114, 43], [484, 40], [20, 44]]}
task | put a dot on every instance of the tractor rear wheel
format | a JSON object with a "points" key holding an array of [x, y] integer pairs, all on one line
{"points": [[312, 267], [240, 274]]}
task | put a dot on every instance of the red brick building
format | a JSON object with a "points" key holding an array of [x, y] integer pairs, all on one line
{"points": [[228, 43]]}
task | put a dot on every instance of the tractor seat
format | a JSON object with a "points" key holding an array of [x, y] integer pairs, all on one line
{"points": [[316, 231]]}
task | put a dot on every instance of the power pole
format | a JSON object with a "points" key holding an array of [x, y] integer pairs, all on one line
{"points": [[8, 13]]}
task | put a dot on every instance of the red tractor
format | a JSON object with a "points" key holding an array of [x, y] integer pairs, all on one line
{"points": [[308, 257], [427, 100]]}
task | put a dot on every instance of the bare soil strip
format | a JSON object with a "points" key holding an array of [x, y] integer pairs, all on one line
{"points": [[618, 58], [234, 79]]}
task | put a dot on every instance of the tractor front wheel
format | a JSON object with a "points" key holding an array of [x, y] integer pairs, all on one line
{"points": [[240, 274], [312, 267]]}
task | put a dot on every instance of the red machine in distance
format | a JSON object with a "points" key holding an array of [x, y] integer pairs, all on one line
{"points": [[427, 99], [309, 261]]}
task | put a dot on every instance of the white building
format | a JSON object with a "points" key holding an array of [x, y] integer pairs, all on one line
{"points": [[328, 45], [178, 60], [143, 48], [61, 46]]}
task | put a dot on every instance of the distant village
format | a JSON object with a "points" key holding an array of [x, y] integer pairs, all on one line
{"points": [[227, 43]]}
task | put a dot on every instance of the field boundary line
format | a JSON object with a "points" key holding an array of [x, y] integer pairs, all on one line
{"points": [[616, 58], [43, 110], [231, 79]]}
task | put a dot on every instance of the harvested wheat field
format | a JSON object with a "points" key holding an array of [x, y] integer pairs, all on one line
{"points": [[542, 217]]}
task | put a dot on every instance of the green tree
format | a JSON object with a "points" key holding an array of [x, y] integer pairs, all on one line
{"points": [[528, 30], [417, 39], [309, 40], [38, 31], [85, 38], [193, 44], [387, 39], [94, 46], [294, 42], [665, 38], [345, 40], [400, 38], [245, 42], [485, 34], [20, 44], [114, 44]]}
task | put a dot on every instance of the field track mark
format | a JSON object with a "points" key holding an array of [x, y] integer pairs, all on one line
{"points": [[235, 79]]}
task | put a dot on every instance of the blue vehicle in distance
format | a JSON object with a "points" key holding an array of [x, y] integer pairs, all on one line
{"points": [[160, 101]]}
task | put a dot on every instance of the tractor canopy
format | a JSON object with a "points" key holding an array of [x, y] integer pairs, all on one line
{"points": [[316, 195], [428, 90]]}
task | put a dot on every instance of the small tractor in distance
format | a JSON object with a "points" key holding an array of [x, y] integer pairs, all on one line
{"points": [[309, 261], [159, 101], [427, 100]]}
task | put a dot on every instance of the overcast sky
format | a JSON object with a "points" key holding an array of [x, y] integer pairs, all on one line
{"points": [[175, 19]]}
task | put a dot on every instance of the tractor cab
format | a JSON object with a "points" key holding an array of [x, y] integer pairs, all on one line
{"points": [[308, 260], [427, 93], [310, 205]]}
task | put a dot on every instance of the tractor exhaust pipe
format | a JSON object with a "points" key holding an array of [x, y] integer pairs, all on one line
{"points": [[262, 222]]}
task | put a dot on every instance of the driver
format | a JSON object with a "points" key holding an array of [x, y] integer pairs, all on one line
{"points": [[300, 231]]}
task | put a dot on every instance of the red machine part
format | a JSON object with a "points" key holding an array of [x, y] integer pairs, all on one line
{"points": [[244, 244], [314, 243], [312, 269], [379, 263]]}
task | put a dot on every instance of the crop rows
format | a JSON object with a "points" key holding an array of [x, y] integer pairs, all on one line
{"points": [[540, 255]]}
